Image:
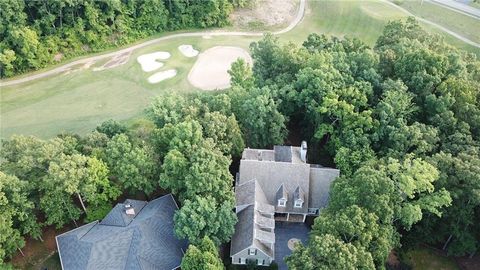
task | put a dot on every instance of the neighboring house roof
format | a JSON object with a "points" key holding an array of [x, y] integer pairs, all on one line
{"points": [[144, 240], [254, 220]]}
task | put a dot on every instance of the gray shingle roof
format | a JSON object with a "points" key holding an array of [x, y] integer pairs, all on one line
{"points": [[272, 175], [118, 217], [298, 194], [255, 216], [320, 180], [282, 153], [145, 241]]}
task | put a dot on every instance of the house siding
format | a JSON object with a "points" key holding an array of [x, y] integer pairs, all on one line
{"points": [[244, 256]]}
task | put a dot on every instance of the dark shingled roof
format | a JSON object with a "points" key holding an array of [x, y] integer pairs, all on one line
{"points": [[142, 241]]}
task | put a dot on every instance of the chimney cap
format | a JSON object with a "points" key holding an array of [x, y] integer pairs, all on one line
{"points": [[304, 144]]}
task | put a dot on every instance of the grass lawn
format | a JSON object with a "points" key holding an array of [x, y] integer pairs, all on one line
{"points": [[427, 259], [82, 99], [461, 24]]}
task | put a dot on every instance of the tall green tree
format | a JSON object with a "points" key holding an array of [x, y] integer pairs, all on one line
{"points": [[135, 167], [202, 256], [327, 252], [205, 217]]}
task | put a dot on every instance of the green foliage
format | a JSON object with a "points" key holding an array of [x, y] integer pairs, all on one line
{"points": [[203, 256], [383, 114], [37, 34], [97, 212], [260, 120], [327, 252], [205, 217], [111, 128], [135, 167], [198, 170], [173, 112]]}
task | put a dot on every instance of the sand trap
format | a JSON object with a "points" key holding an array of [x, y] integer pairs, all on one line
{"points": [[210, 69], [188, 50], [149, 61], [162, 75]]}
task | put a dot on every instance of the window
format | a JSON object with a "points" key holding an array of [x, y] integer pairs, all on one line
{"points": [[298, 203], [252, 251], [313, 211], [263, 262], [239, 260], [282, 202]]}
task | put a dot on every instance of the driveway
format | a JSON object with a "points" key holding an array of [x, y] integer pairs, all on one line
{"points": [[285, 231]]}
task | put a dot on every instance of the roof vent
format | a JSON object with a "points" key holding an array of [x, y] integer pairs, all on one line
{"points": [[129, 210]]}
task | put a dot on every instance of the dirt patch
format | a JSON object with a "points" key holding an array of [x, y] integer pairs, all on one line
{"points": [[58, 57], [210, 71], [265, 14], [117, 60], [36, 251]]}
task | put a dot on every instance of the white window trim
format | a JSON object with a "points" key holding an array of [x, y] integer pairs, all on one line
{"points": [[252, 252], [298, 204], [282, 202]]}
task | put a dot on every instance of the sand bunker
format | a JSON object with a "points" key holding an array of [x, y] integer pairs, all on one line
{"points": [[211, 68], [162, 75], [188, 50], [149, 61]]}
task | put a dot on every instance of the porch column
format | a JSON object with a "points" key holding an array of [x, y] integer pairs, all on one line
{"points": [[304, 217], [288, 216]]}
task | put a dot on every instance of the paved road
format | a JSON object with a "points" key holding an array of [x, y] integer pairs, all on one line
{"points": [[459, 7], [295, 22], [448, 31]]}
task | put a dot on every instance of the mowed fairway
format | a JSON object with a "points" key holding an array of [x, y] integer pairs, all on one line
{"points": [[465, 25], [361, 19], [77, 101], [82, 99]]}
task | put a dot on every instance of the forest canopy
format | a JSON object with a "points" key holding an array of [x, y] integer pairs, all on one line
{"points": [[35, 34]]}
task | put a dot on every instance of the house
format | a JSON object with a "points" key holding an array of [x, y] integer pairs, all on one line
{"points": [[275, 186], [133, 235]]}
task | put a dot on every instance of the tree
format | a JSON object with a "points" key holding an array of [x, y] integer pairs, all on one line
{"points": [[199, 170], [395, 136], [359, 227], [203, 256], [456, 229], [111, 128], [261, 122], [225, 133], [327, 252], [204, 216], [134, 166], [241, 74], [15, 201]]}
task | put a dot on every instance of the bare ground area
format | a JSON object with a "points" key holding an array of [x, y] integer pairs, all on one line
{"points": [[210, 71], [265, 14], [37, 252]]}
